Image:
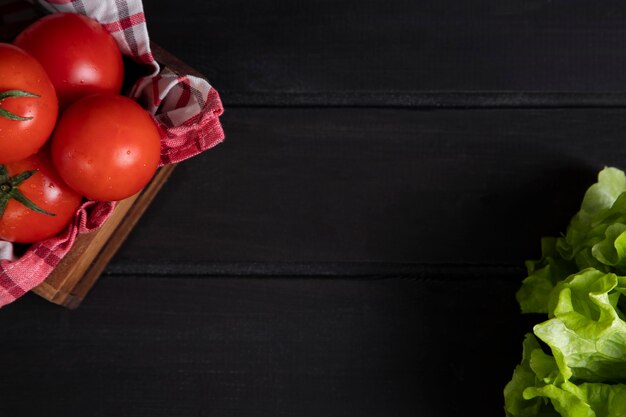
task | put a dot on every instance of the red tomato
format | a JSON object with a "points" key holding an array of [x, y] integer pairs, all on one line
{"points": [[106, 147], [35, 203], [28, 104], [80, 56]]}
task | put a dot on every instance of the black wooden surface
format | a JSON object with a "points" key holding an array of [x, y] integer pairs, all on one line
{"points": [[354, 247], [328, 185], [392, 52], [187, 346]]}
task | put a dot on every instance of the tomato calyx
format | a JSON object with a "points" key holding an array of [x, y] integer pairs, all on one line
{"points": [[9, 190], [14, 94]]}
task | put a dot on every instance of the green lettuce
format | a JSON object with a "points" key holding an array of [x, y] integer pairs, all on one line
{"points": [[595, 238], [536, 370], [538, 389], [574, 363], [586, 333], [585, 400], [543, 275]]}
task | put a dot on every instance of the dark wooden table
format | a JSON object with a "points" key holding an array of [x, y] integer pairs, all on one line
{"points": [[354, 247]]}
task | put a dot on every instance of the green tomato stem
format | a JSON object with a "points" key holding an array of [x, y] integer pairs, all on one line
{"points": [[14, 94], [9, 190]]}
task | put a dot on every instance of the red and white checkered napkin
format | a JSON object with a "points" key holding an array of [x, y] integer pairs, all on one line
{"points": [[186, 109]]}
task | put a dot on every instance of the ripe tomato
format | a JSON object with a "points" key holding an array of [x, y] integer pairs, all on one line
{"points": [[106, 147], [28, 104], [80, 56], [35, 203]]}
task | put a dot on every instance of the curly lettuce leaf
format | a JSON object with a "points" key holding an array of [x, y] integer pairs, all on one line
{"points": [[536, 370], [586, 333], [601, 196], [595, 238], [538, 389], [579, 283], [599, 241], [542, 277], [612, 249], [588, 399], [603, 205]]}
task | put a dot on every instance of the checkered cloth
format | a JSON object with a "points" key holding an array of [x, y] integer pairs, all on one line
{"points": [[186, 109]]}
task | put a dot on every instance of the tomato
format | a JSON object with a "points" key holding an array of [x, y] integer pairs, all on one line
{"points": [[28, 104], [106, 147], [35, 203], [80, 56]]}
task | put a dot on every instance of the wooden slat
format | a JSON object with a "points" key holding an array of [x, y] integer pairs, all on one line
{"points": [[265, 347], [305, 187], [379, 52]]}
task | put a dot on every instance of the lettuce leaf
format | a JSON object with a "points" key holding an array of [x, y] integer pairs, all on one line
{"points": [[587, 335], [538, 389], [579, 283], [585, 400], [595, 238], [542, 277], [536, 370]]}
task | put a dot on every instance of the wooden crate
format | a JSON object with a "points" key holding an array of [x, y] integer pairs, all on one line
{"points": [[78, 272]]}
